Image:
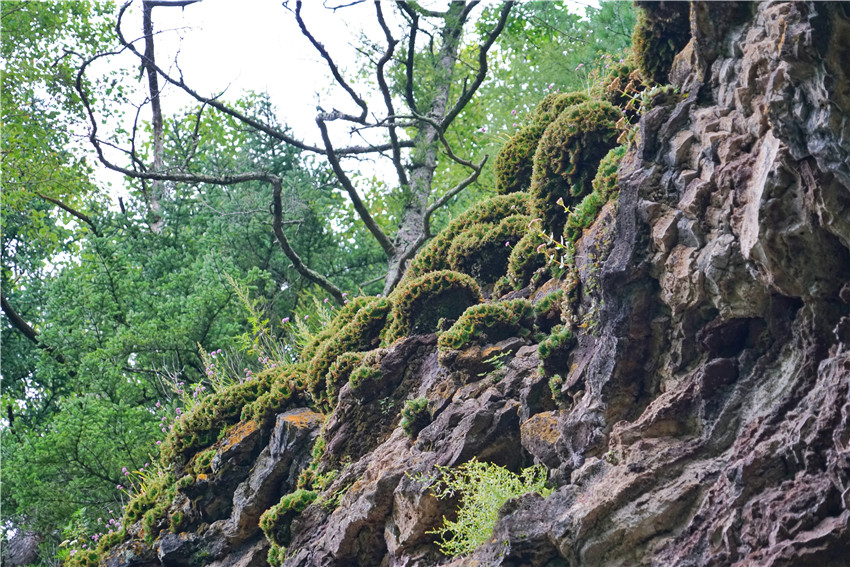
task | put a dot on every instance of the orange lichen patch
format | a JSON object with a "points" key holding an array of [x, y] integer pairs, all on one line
{"points": [[239, 434], [201, 477], [303, 419], [542, 427]]}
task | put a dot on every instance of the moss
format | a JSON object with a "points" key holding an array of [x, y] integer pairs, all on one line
{"points": [[420, 303], [547, 311], [567, 159], [201, 462], [526, 259], [489, 322], [415, 416], [434, 256], [360, 333], [276, 399], [662, 31], [368, 371], [175, 522], [554, 350], [482, 250], [275, 522], [339, 373], [342, 318], [604, 189], [515, 162]]}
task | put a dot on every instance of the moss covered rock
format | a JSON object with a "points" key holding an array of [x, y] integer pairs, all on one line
{"points": [[420, 303], [604, 189], [489, 323], [482, 250], [567, 159], [662, 31], [515, 162], [434, 256]]}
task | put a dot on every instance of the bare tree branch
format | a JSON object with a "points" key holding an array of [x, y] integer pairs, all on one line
{"points": [[344, 180], [467, 94], [411, 49], [364, 110], [388, 100]]}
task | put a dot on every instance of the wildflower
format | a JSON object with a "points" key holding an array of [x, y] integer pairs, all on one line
{"points": [[124, 470], [621, 60], [95, 537], [579, 66], [100, 520], [112, 520], [306, 317], [159, 442], [507, 243], [119, 487], [157, 404], [344, 294], [551, 86], [607, 66], [126, 473], [326, 300], [483, 129], [513, 112], [285, 320], [178, 410], [164, 430], [514, 124], [345, 302]]}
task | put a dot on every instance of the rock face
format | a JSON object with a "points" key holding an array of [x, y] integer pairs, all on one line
{"points": [[703, 413]]}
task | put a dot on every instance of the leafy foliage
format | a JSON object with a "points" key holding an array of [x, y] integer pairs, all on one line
{"points": [[483, 489]]}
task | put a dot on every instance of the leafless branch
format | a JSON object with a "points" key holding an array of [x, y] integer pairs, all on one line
{"points": [[73, 212], [411, 49], [467, 93], [364, 110], [388, 100], [344, 180]]}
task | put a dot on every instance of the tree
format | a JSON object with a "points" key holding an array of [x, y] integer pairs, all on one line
{"points": [[414, 135]]}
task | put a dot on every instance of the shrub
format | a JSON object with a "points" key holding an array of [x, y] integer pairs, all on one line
{"points": [[662, 31], [514, 163], [489, 322], [482, 250], [483, 488], [415, 416], [567, 159], [419, 304], [433, 256], [275, 522]]}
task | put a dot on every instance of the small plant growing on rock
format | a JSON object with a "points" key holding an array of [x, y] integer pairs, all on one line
{"points": [[483, 488], [415, 416], [489, 321]]}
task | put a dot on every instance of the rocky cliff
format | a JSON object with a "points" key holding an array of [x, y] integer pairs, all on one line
{"points": [[695, 407]]}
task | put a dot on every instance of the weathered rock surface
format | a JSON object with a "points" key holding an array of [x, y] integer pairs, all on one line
{"points": [[704, 417]]}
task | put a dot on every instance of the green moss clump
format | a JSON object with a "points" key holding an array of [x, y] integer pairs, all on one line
{"points": [[150, 505], [265, 407], [201, 463], [342, 318], [515, 162], [547, 311], [339, 373], [662, 31], [415, 416], [434, 255], [360, 333], [175, 522], [419, 304], [369, 369], [567, 159], [604, 189], [489, 322], [275, 522], [525, 260], [553, 351], [482, 250]]}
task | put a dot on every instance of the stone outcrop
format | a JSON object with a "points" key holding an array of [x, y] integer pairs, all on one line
{"points": [[703, 412]]}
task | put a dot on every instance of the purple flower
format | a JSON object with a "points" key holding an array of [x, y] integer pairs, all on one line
{"points": [[119, 487], [126, 473], [164, 430], [157, 404], [514, 124], [483, 129], [285, 320], [159, 442], [326, 300], [124, 470], [306, 317], [551, 86], [178, 410], [344, 294], [508, 243], [579, 66], [345, 302], [513, 112]]}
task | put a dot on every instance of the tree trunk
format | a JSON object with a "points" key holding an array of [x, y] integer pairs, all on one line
{"points": [[426, 149]]}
